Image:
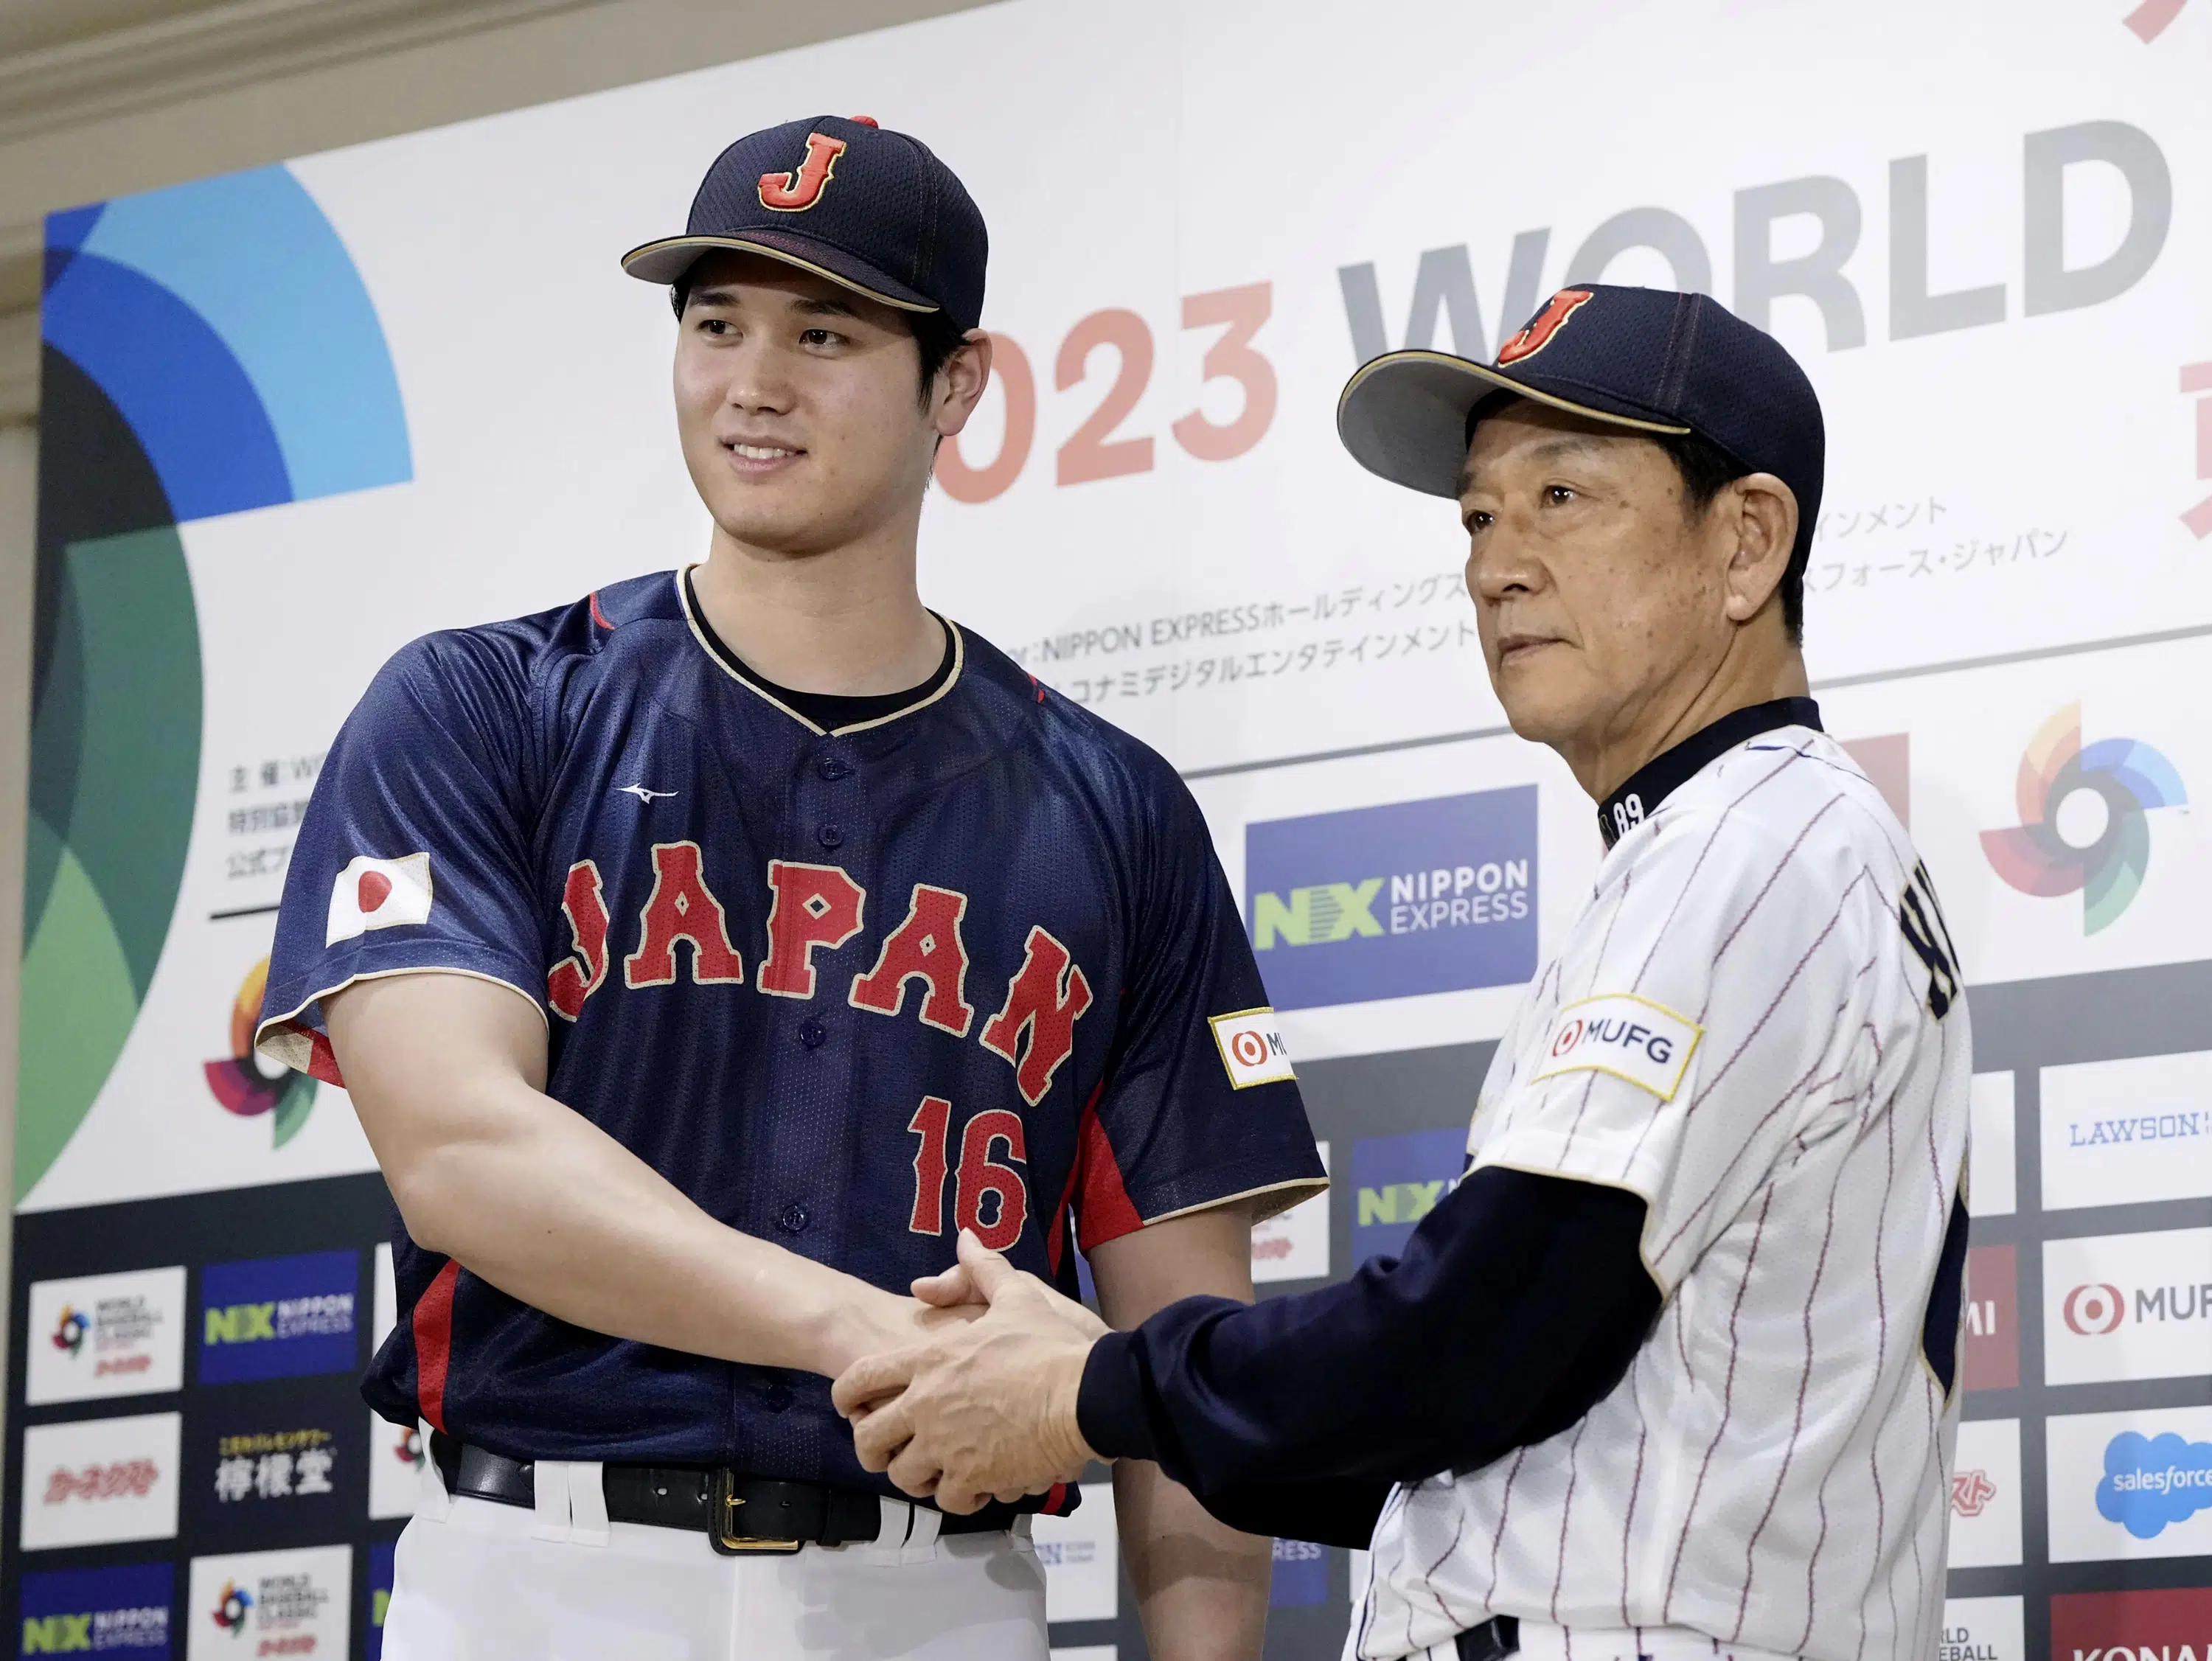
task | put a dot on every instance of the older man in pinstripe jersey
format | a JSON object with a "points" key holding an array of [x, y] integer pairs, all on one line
{"points": [[1673, 1371]]}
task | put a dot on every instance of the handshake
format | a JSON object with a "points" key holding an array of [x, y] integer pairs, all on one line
{"points": [[984, 1407]]}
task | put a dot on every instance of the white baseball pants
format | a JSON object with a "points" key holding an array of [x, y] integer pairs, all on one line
{"points": [[477, 1581]]}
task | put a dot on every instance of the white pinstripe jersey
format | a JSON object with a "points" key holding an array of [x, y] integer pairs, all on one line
{"points": [[1755, 1025]]}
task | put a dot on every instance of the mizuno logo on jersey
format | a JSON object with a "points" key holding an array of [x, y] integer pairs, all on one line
{"points": [[813, 911], [1630, 1037], [379, 894]]}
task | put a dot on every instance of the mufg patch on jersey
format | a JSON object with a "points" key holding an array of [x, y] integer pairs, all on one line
{"points": [[1630, 1037], [378, 894], [1252, 1047]]}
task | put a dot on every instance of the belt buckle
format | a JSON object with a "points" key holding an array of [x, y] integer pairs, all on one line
{"points": [[724, 1533]]}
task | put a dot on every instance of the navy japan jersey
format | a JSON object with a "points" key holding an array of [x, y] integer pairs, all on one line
{"points": [[973, 964]]}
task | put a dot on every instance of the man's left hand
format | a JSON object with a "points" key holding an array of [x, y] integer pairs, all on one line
{"points": [[981, 1411]]}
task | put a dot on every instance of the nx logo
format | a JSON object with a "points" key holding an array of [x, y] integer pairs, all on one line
{"points": [[1319, 915]]}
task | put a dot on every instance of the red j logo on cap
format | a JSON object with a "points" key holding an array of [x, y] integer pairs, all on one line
{"points": [[1545, 325], [795, 193]]}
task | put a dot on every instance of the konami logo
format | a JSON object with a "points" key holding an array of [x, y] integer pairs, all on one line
{"points": [[2169, 1625]]}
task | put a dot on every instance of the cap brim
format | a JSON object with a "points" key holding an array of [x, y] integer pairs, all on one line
{"points": [[666, 260], [1403, 415]]}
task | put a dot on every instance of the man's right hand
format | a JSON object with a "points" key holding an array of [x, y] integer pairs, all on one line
{"points": [[447, 1075]]}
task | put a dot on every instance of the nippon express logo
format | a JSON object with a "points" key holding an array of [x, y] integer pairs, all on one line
{"points": [[1390, 901], [1395, 1182], [279, 1317], [2151, 1481], [2084, 819], [104, 1611]]}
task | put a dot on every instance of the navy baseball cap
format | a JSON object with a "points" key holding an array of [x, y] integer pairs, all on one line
{"points": [[842, 197], [1646, 359]]}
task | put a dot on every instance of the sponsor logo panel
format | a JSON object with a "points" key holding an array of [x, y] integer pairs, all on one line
{"points": [[1985, 1494], [98, 1482], [1081, 1558], [1301, 1575], [274, 1466], [2127, 1132], [1991, 1182], [2127, 1306], [1389, 901], [1992, 1318], [279, 1317], [1981, 1630], [396, 1457], [2168, 1624], [1395, 1182], [293, 1602], [2130, 1484], [380, 1596], [1293, 1245], [2084, 819], [126, 1610], [101, 1335]]}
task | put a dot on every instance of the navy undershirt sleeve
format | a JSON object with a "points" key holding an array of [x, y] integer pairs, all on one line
{"points": [[1517, 1306]]}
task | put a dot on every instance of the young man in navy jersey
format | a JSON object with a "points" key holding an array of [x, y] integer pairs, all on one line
{"points": [[833, 934]]}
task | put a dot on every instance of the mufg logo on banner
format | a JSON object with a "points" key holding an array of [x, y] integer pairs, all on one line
{"points": [[279, 1317], [1432, 896]]}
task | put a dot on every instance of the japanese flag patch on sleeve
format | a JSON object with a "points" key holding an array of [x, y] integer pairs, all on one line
{"points": [[379, 894], [1630, 1037], [1252, 1047]]}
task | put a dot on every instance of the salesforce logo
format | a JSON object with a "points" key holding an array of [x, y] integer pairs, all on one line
{"points": [[2151, 1481]]}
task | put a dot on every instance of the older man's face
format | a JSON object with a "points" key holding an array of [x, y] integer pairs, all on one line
{"points": [[1596, 594]]}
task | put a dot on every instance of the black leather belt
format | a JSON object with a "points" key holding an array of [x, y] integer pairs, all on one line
{"points": [[1494, 1640], [740, 1515]]}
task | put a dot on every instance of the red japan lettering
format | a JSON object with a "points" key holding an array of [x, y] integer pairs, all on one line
{"points": [[981, 1175], [576, 977], [795, 192], [1046, 998], [926, 947], [815, 907], [681, 907]]}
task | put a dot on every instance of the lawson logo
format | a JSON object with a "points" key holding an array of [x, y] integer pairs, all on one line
{"points": [[1390, 901]]}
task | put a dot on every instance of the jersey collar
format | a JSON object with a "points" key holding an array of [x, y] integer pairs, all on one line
{"points": [[1668, 772], [930, 690]]}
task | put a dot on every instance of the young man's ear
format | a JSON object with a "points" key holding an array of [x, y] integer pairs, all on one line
{"points": [[961, 381]]}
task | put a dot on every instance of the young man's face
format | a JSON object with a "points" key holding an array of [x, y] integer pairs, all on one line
{"points": [[798, 404]]}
